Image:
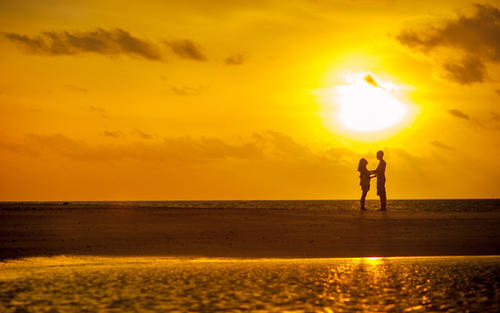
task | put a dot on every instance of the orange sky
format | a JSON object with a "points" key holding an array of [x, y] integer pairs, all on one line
{"points": [[152, 100]]}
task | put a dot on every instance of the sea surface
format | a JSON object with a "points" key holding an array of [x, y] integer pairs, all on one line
{"points": [[409, 206], [126, 284]]}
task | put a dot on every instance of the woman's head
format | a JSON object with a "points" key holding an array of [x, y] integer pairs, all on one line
{"points": [[362, 164]]}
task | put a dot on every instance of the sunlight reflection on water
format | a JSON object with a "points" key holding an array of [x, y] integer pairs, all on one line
{"points": [[87, 284]]}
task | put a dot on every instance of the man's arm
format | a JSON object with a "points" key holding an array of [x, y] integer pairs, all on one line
{"points": [[375, 171]]}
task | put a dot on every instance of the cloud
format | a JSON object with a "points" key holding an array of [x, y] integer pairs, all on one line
{"points": [[142, 134], [187, 49], [185, 91], [481, 123], [370, 80], [495, 116], [113, 134], [102, 112], [21, 149], [475, 38], [469, 71], [100, 41], [76, 89], [278, 144], [459, 114], [257, 166], [441, 145], [269, 145], [174, 149], [497, 91], [237, 59]]}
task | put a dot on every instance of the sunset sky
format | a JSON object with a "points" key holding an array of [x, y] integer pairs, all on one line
{"points": [[202, 99]]}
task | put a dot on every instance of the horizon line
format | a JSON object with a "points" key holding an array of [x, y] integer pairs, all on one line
{"points": [[248, 200]]}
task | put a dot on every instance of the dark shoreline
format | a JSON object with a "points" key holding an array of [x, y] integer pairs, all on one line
{"points": [[247, 232]]}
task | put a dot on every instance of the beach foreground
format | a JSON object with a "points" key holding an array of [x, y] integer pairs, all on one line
{"points": [[250, 229], [126, 284]]}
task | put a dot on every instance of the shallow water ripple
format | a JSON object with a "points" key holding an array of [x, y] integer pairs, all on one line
{"points": [[444, 284]]}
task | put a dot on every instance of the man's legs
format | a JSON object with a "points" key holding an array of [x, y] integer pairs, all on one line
{"points": [[382, 195], [383, 202]]}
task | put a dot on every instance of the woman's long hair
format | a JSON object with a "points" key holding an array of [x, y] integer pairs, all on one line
{"points": [[362, 164]]}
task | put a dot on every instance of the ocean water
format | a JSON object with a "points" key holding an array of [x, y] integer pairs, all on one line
{"points": [[117, 284], [410, 206]]}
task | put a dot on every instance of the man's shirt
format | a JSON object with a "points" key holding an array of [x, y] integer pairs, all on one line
{"points": [[380, 171]]}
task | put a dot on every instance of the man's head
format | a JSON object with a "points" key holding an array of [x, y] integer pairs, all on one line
{"points": [[380, 155]]}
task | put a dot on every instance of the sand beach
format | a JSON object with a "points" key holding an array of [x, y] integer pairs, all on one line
{"points": [[262, 229]]}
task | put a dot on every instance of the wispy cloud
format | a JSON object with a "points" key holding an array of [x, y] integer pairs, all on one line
{"points": [[475, 38], [495, 116], [76, 89], [271, 157], [370, 80], [142, 134], [441, 145], [187, 49], [113, 134], [185, 91], [236, 59], [178, 149], [271, 145], [100, 41], [459, 114], [480, 122], [102, 112], [469, 70]]}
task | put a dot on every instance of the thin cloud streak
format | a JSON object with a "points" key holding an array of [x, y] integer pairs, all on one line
{"points": [[100, 111], [441, 145], [76, 89], [237, 59], [459, 114], [187, 49], [142, 134], [113, 134], [100, 41], [184, 91], [370, 80]]}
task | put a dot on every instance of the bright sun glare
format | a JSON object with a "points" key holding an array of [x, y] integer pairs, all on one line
{"points": [[368, 104]]}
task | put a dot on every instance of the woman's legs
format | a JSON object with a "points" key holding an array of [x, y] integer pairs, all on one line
{"points": [[363, 197]]}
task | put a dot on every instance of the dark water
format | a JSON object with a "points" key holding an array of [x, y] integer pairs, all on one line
{"points": [[451, 205], [439, 284]]}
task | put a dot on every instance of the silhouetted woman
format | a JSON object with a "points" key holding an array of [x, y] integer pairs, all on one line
{"points": [[364, 180]]}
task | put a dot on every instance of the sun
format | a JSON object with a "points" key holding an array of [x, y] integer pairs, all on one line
{"points": [[367, 104]]}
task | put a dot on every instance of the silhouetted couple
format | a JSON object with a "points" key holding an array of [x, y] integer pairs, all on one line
{"points": [[365, 175]]}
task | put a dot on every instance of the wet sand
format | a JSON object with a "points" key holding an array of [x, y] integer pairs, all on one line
{"points": [[151, 284], [107, 230]]}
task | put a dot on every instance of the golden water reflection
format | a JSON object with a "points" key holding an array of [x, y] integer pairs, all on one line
{"points": [[259, 285]]}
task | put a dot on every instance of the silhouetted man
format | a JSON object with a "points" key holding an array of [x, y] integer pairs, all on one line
{"points": [[380, 172]]}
